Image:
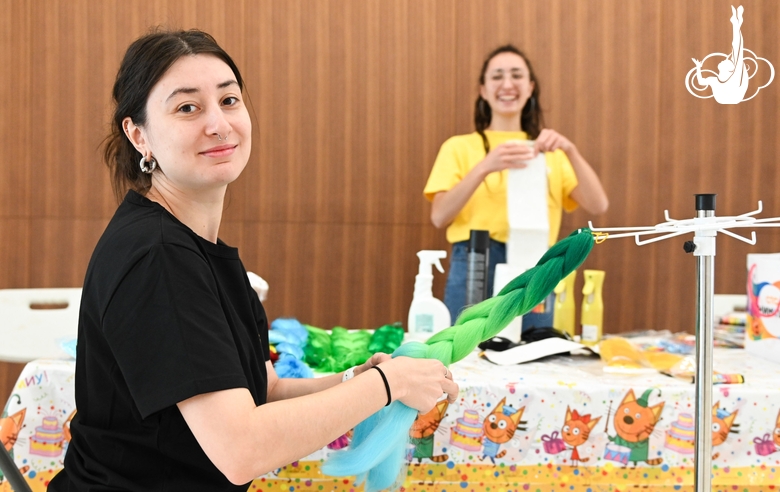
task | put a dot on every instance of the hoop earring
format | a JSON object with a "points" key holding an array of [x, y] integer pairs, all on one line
{"points": [[151, 167]]}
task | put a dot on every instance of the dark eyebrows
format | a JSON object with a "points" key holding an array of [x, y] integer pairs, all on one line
{"points": [[227, 83], [182, 90], [193, 90], [513, 70]]}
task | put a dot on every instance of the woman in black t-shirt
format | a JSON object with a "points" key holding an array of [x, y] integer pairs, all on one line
{"points": [[174, 387]]}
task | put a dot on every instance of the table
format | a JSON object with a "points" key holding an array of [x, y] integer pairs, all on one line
{"points": [[536, 457]]}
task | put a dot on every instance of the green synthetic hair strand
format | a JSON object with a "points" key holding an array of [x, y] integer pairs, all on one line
{"points": [[379, 442]]}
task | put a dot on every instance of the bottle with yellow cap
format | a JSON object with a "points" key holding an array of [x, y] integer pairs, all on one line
{"points": [[563, 314], [592, 315]]}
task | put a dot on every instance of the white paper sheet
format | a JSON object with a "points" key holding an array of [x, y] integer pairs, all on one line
{"points": [[529, 225], [531, 351], [528, 228]]}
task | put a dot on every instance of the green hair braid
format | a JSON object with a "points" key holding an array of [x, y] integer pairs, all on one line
{"points": [[378, 446], [486, 319]]}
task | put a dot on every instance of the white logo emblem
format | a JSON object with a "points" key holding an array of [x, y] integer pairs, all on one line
{"points": [[735, 70]]}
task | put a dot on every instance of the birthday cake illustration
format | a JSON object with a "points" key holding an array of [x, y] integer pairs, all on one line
{"points": [[467, 432], [47, 439], [680, 437]]}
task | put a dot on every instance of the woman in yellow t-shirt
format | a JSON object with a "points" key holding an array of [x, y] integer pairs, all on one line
{"points": [[468, 184]]}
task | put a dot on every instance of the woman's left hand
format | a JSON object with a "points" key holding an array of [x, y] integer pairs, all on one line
{"points": [[375, 360], [550, 140]]}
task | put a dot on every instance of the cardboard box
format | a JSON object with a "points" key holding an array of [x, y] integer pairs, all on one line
{"points": [[762, 333]]}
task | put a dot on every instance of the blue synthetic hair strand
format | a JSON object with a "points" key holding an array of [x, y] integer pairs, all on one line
{"points": [[378, 448]]}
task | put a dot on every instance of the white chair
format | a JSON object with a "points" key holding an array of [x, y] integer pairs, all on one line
{"points": [[34, 322]]}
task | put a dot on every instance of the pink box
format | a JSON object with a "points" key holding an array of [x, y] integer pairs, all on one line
{"points": [[764, 446], [552, 443]]}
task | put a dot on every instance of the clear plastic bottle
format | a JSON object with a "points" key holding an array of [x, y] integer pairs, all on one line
{"points": [[427, 315]]}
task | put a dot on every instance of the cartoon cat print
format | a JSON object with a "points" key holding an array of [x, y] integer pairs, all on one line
{"points": [[499, 428], [722, 425], [423, 430], [10, 425], [575, 432], [634, 421]]}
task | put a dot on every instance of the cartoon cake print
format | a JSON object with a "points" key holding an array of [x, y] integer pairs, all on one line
{"points": [[47, 439], [681, 435], [467, 433]]}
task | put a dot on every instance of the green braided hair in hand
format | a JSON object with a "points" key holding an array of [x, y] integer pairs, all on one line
{"points": [[378, 446]]}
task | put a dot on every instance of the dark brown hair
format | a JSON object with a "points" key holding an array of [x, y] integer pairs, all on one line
{"points": [[531, 117], [144, 64]]}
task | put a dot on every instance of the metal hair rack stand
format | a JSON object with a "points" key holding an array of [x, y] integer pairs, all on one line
{"points": [[8, 467], [705, 228]]}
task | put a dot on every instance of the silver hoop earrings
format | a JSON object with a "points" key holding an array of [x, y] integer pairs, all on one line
{"points": [[152, 164]]}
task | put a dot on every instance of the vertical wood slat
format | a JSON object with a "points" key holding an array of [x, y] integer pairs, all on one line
{"points": [[350, 102]]}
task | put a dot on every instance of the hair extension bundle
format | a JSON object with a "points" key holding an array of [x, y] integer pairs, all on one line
{"points": [[377, 451]]}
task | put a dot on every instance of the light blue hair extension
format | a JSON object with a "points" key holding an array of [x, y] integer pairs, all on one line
{"points": [[377, 445], [377, 452]]}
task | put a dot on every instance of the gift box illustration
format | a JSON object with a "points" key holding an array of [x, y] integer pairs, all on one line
{"points": [[764, 445], [552, 443]]}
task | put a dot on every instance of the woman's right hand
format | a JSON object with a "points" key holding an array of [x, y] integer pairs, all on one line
{"points": [[508, 155], [419, 383]]}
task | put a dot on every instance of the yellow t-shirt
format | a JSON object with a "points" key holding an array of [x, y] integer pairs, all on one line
{"points": [[487, 207]]}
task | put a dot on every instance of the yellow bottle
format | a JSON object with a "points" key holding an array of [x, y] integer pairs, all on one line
{"points": [[592, 315], [563, 315]]}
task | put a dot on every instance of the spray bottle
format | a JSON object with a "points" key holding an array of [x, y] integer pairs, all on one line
{"points": [[427, 315], [563, 314], [592, 315]]}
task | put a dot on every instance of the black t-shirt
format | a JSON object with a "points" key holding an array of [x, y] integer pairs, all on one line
{"points": [[165, 315]]}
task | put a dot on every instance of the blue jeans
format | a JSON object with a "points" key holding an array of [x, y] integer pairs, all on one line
{"points": [[455, 289]]}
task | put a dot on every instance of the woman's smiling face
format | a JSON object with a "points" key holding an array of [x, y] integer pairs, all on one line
{"points": [[197, 126], [507, 84]]}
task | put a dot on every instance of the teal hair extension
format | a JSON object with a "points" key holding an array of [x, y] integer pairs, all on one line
{"points": [[377, 451]]}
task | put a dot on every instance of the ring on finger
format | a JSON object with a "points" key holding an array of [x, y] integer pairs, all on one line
{"points": [[446, 372]]}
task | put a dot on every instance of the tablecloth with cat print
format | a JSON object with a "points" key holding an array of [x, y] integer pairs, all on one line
{"points": [[561, 424]]}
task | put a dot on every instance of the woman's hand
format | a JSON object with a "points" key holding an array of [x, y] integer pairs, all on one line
{"points": [[375, 360], [588, 193], [419, 383], [508, 155], [550, 141]]}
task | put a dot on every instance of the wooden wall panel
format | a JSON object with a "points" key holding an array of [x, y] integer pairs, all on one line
{"points": [[350, 101]]}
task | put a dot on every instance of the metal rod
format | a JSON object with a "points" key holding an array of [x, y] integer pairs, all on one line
{"points": [[704, 350], [11, 472]]}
